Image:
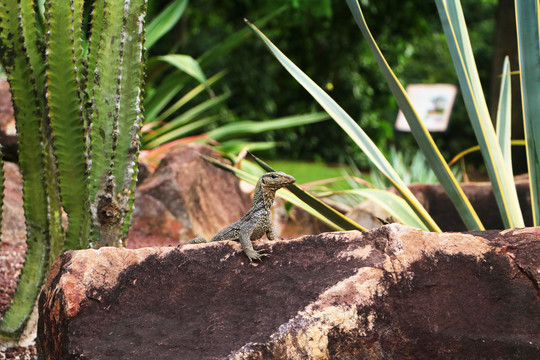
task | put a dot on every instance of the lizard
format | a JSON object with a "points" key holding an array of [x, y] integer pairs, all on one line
{"points": [[256, 222]]}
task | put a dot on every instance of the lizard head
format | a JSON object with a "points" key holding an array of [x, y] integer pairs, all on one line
{"points": [[276, 180]]}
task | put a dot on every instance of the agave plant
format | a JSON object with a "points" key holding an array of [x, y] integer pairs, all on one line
{"points": [[494, 142], [76, 91]]}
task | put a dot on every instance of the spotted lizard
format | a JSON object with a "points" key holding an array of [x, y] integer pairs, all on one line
{"points": [[256, 222]]}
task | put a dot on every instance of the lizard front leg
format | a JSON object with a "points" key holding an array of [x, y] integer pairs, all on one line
{"points": [[247, 246]]}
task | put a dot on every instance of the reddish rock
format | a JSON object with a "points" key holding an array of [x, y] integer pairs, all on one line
{"points": [[12, 252], [185, 197], [297, 222], [438, 204], [13, 244], [392, 293], [8, 132]]}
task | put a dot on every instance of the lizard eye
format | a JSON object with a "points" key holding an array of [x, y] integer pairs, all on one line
{"points": [[273, 176]]}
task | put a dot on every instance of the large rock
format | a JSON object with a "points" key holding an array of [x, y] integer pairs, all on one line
{"points": [[185, 197], [392, 293], [480, 194]]}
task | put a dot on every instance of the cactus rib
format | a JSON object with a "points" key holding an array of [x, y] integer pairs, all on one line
{"points": [[130, 115], [25, 103], [65, 110]]}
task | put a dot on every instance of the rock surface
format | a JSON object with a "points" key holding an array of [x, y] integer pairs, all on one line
{"points": [[185, 197], [12, 251], [8, 133], [438, 204], [392, 293]]}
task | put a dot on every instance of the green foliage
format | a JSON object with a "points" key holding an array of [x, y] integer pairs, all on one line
{"points": [[301, 198], [453, 22], [165, 21], [490, 143], [78, 138], [528, 15], [411, 168], [323, 44], [421, 134], [352, 129], [181, 101]]}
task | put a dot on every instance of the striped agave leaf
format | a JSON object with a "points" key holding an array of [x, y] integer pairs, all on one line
{"points": [[527, 19], [419, 131], [351, 128], [504, 188]]}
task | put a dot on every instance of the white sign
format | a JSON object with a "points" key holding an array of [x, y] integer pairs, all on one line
{"points": [[433, 103]]}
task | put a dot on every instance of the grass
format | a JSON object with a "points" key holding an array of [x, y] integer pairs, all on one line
{"points": [[305, 172]]}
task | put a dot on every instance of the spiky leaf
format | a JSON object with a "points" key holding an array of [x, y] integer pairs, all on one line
{"points": [[527, 15], [353, 130], [504, 115], [420, 132], [457, 37]]}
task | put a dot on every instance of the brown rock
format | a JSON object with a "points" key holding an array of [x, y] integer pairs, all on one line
{"points": [[369, 214], [185, 197], [297, 222], [13, 244], [392, 293], [12, 252], [8, 133], [438, 204]]}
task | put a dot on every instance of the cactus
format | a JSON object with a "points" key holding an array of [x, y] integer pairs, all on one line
{"points": [[76, 90]]}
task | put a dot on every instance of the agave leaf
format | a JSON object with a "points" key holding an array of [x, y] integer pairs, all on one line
{"points": [[527, 15], [242, 128], [420, 133], [24, 97], [472, 149], [333, 216], [182, 119], [182, 131], [156, 100], [186, 64], [162, 23], [504, 115], [188, 97], [457, 37], [285, 195], [351, 128], [232, 147]]}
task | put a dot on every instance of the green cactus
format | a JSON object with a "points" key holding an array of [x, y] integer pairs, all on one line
{"points": [[76, 90]]}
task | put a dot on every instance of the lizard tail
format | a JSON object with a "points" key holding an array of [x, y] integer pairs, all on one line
{"points": [[198, 240]]}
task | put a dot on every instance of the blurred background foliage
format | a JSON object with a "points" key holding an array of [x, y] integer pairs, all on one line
{"points": [[321, 38]]}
